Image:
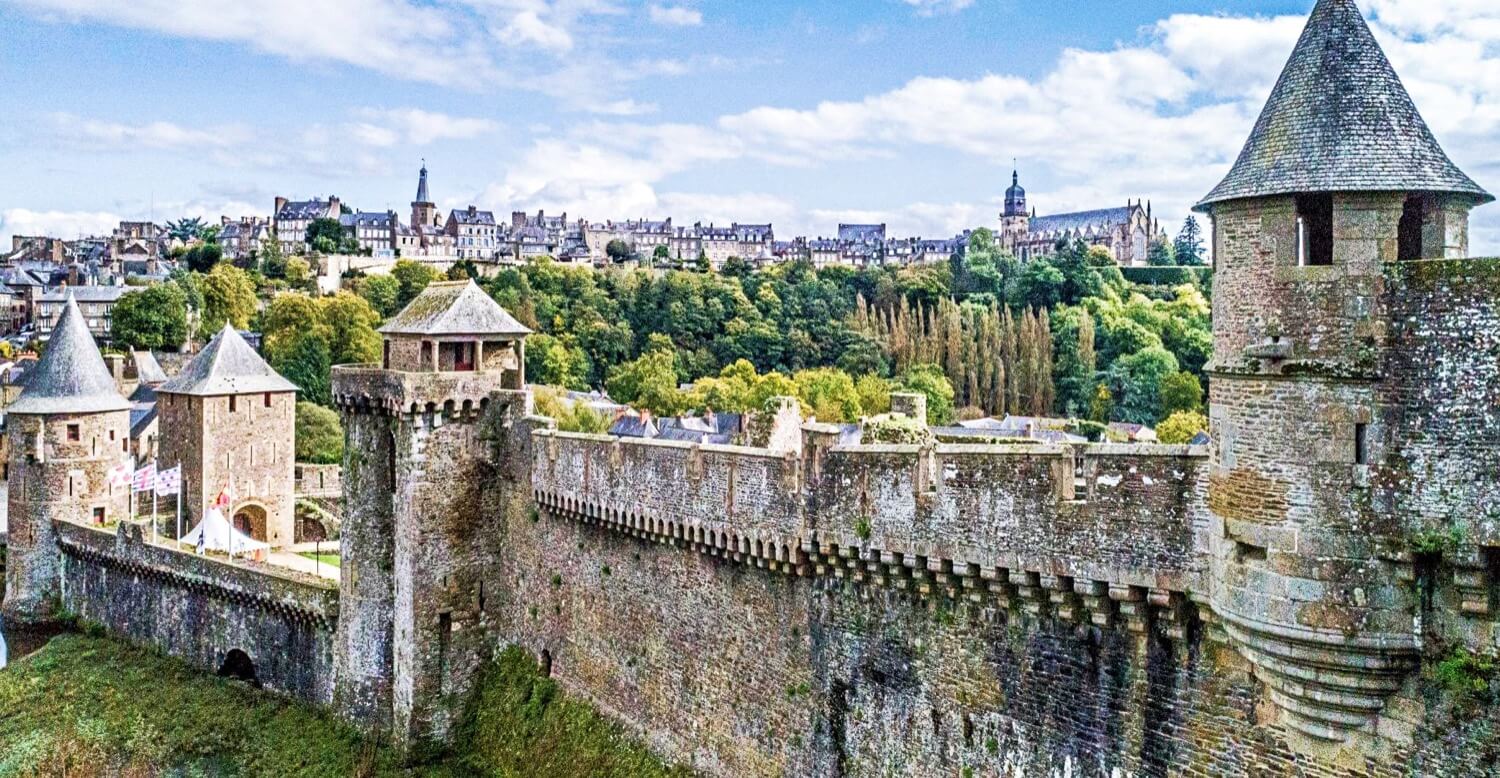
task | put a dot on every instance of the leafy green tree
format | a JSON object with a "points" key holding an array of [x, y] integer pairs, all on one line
{"points": [[734, 267], [619, 251], [462, 270], [299, 273], [1161, 254], [228, 296], [1180, 427], [1181, 392], [351, 323], [829, 393], [185, 229], [327, 236], [411, 278], [320, 436], [1102, 405], [1040, 285], [383, 293], [702, 265], [649, 382], [933, 382], [874, 394], [306, 363], [151, 318], [1137, 382], [203, 257], [272, 262], [1188, 247], [556, 361]]}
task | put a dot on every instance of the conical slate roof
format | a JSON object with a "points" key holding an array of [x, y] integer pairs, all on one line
{"points": [[454, 308], [227, 365], [71, 376], [1339, 120]]}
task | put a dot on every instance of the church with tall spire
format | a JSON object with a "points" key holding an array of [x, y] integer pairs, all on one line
{"points": [[1127, 233]]}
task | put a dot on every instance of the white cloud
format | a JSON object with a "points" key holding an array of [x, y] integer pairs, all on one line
{"points": [[58, 224], [416, 127], [527, 27], [674, 16], [149, 135], [934, 7]]}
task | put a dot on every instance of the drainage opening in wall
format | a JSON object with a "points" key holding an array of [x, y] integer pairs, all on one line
{"points": [[238, 665]]}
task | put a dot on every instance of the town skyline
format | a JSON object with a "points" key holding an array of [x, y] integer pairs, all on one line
{"points": [[611, 111]]}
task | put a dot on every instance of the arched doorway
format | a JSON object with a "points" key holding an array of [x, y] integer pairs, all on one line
{"points": [[250, 519], [239, 666]]}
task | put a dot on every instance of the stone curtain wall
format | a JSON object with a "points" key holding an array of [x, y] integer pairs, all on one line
{"points": [[1041, 643], [199, 609]]}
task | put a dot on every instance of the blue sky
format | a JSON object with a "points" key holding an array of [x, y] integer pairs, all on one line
{"points": [[802, 113]]}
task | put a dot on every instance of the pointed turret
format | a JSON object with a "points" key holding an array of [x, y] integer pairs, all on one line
{"points": [[227, 365], [422, 185], [71, 376], [1339, 120]]}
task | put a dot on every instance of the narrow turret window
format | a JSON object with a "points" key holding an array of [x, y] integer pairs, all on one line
{"points": [[73, 433], [1315, 230], [1409, 231], [1361, 444]]}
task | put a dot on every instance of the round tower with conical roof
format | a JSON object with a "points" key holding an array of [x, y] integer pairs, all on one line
{"points": [[68, 430], [1340, 183]]}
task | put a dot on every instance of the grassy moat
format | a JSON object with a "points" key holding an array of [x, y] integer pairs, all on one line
{"points": [[90, 706]]}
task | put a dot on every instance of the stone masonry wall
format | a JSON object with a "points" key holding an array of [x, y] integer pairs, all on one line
{"points": [[200, 608]]}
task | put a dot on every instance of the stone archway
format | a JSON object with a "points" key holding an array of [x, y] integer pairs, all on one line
{"points": [[250, 519], [239, 666]]}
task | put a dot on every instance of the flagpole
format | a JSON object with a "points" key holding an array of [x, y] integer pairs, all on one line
{"points": [[179, 502], [153, 503]]}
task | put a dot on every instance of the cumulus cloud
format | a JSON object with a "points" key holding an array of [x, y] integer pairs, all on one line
{"points": [[416, 127], [149, 135], [527, 27], [674, 16]]}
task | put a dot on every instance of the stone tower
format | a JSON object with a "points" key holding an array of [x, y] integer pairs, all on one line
{"points": [[68, 429], [414, 538], [1015, 221], [1340, 185], [423, 211], [230, 420]]}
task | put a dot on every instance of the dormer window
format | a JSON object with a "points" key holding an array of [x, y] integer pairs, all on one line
{"points": [[1314, 230]]}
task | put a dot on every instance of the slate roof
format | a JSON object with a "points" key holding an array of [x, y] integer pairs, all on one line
{"points": [[71, 376], [633, 426], [862, 232], [227, 365], [466, 216], [454, 308], [85, 294], [304, 210], [422, 187], [1339, 119], [141, 416], [147, 369], [1101, 219]]}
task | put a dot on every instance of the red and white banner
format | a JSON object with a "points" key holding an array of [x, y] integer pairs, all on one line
{"points": [[169, 481], [144, 479], [119, 475]]}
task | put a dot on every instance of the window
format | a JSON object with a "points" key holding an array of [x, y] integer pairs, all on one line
{"points": [[98, 515], [111, 434], [267, 399], [1409, 231], [73, 433], [1361, 444], [1315, 230], [232, 403]]}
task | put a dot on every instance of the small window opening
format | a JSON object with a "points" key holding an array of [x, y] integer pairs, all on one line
{"points": [[1247, 552], [232, 403], [1409, 231], [98, 515], [111, 434], [1361, 444], [1315, 230], [266, 399], [73, 433]]}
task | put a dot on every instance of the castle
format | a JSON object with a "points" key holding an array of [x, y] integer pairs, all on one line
{"points": [[1260, 605]]}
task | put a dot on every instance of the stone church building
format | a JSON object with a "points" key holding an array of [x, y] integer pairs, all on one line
{"points": [[1126, 232], [230, 420]]}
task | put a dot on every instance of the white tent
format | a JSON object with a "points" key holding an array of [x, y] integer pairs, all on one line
{"points": [[217, 535]]}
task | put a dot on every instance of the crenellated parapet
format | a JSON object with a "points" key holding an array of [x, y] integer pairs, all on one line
{"points": [[1097, 535], [371, 389]]}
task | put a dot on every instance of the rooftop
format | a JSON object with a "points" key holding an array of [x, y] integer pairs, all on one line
{"points": [[454, 308], [227, 365], [71, 376], [1339, 120]]}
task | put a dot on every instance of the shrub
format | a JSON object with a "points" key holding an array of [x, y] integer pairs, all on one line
{"points": [[1180, 427]]}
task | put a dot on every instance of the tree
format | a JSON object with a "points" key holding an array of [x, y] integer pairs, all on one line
{"points": [[320, 437], [299, 273], [1102, 405], [463, 270], [874, 394], [185, 230], [203, 257], [829, 393], [1188, 247], [1161, 254], [411, 278], [327, 236], [383, 293], [930, 380], [660, 255], [1040, 285], [272, 263], [151, 318], [649, 382], [351, 325], [1137, 380], [619, 251], [1181, 392], [1181, 427], [556, 361], [228, 296], [306, 363]]}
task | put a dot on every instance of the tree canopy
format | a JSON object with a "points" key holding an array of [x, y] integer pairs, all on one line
{"points": [[155, 317]]}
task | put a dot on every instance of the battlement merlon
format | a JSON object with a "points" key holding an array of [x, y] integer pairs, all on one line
{"points": [[1124, 516], [370, 388]]}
